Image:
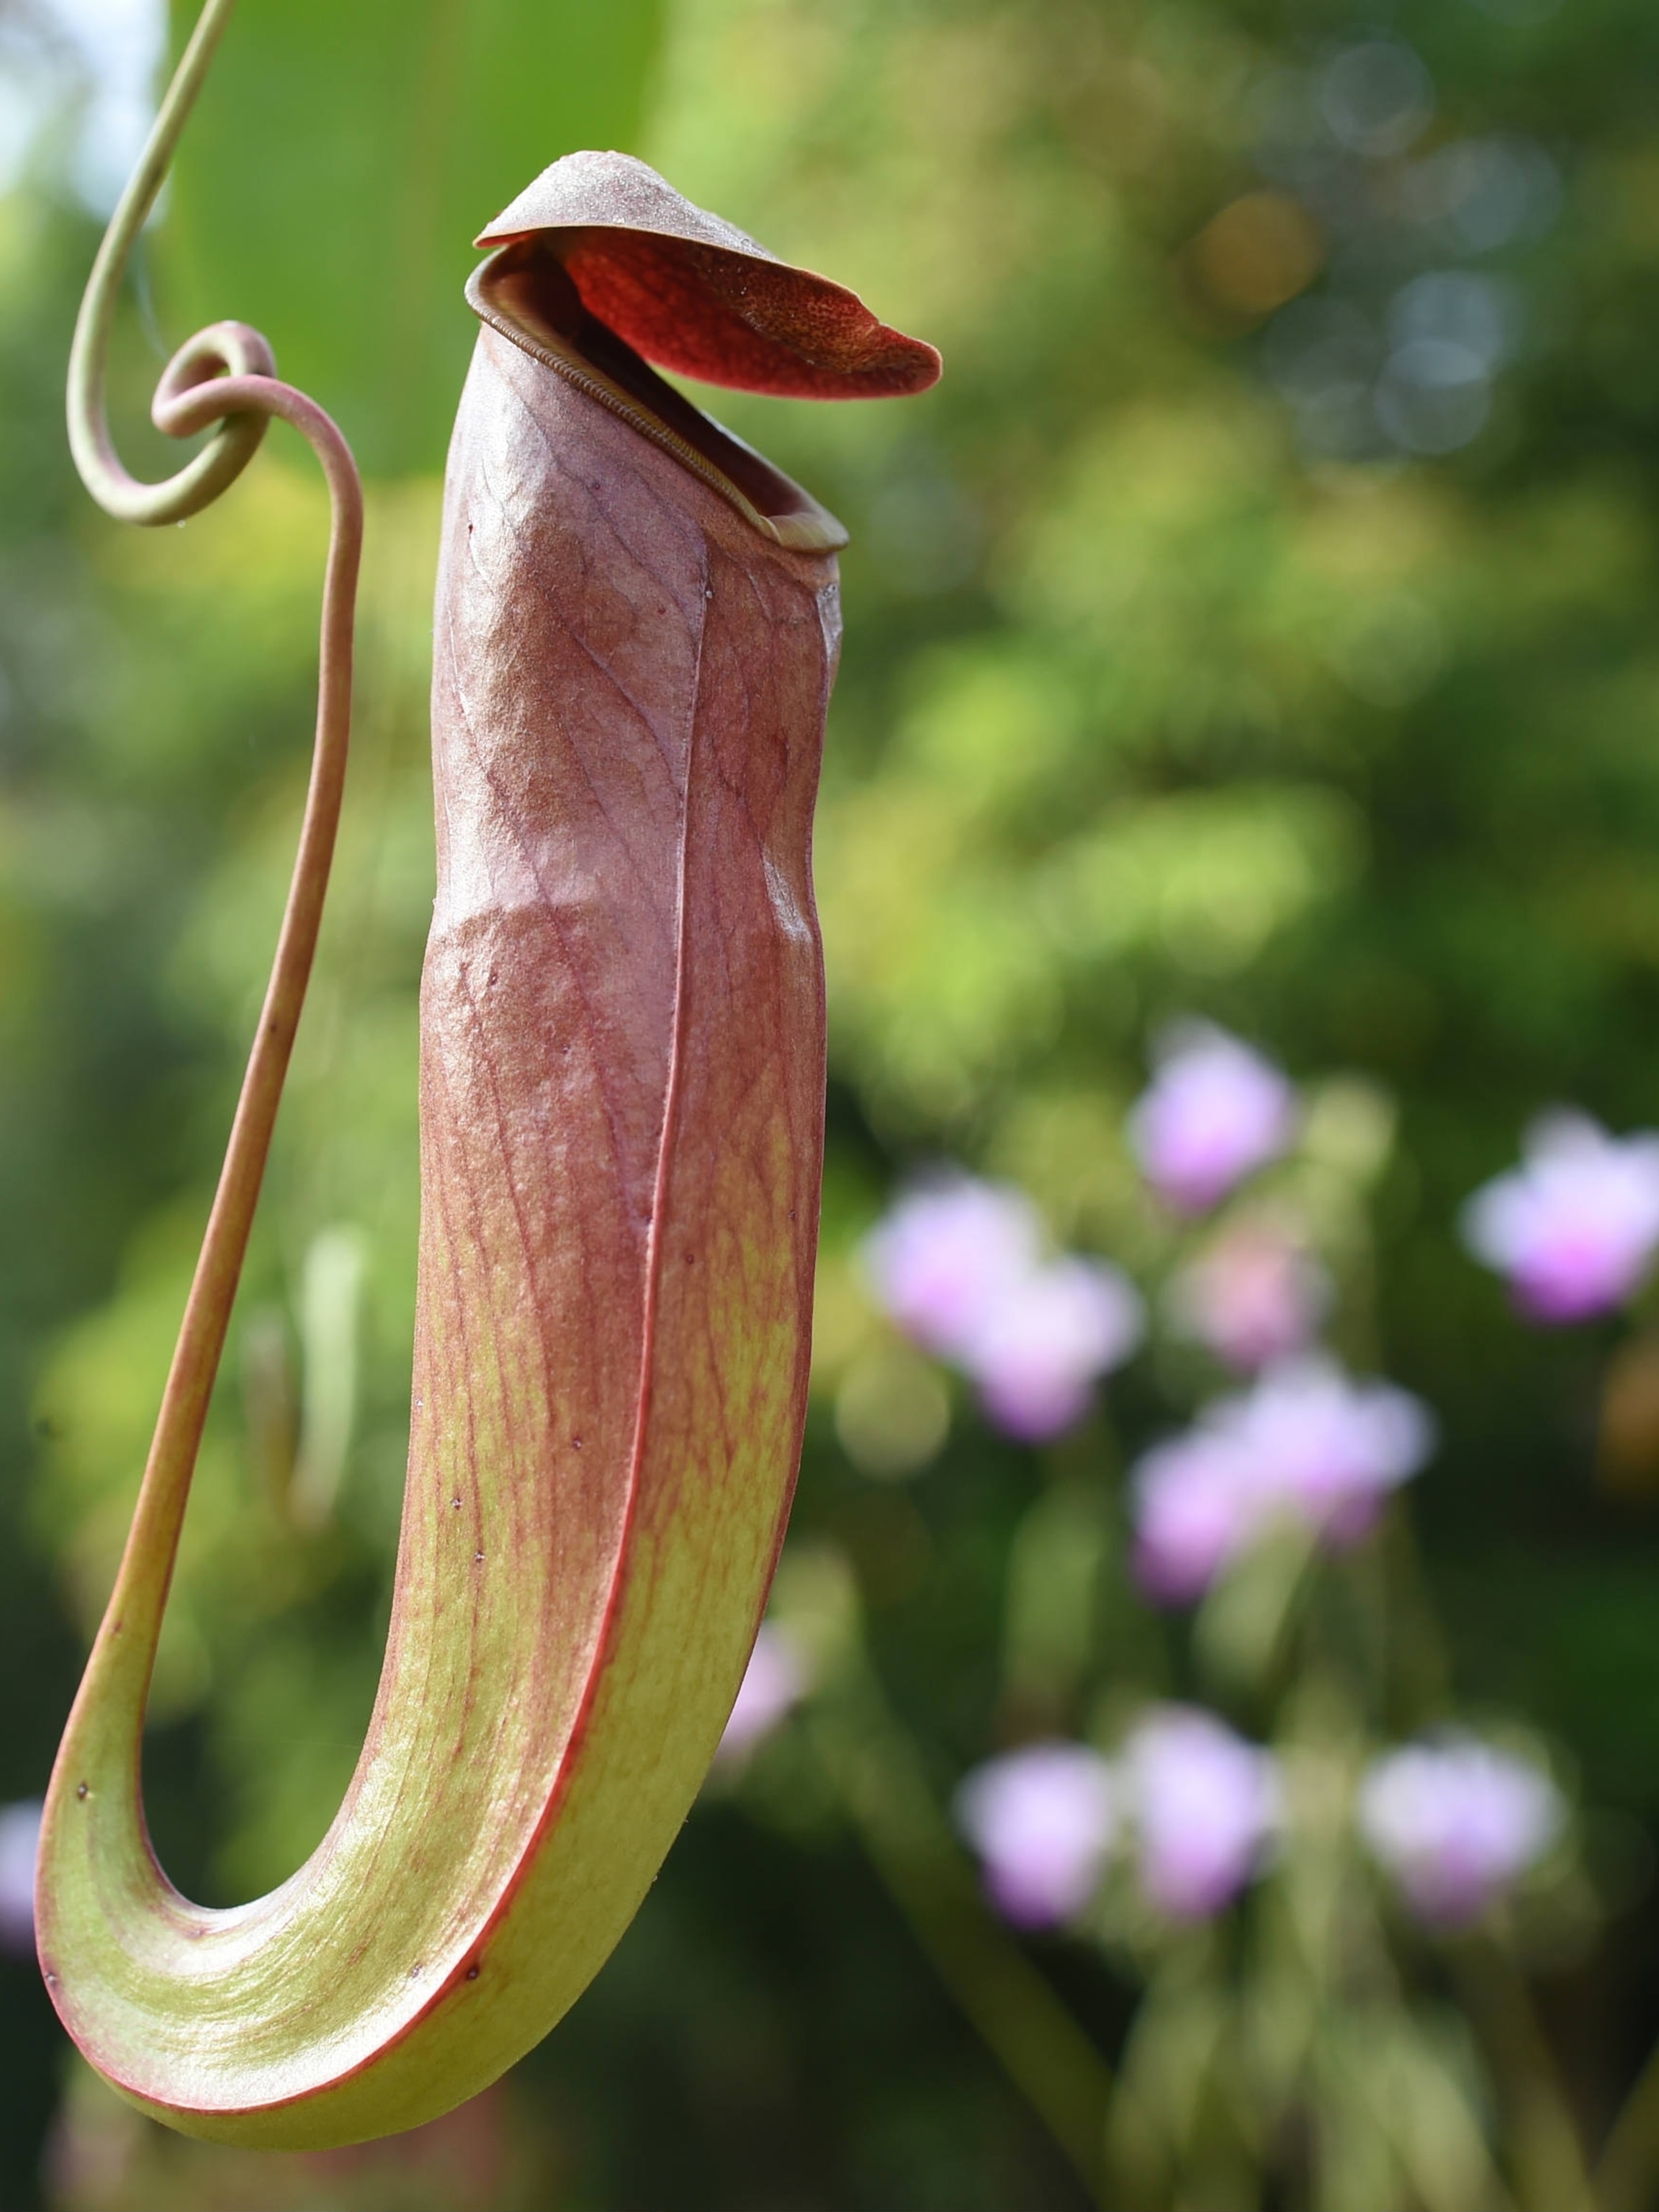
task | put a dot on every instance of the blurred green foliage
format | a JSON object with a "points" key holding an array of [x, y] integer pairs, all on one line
{"points": [[1155, 700], [339, 163]]}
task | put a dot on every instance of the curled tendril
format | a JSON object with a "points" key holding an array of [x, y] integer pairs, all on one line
{"points": [[221, 380]]}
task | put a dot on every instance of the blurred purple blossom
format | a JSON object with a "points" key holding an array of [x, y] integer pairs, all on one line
{"points": [[1575, 1226], [1042, 1820], [1206, 1804], [959, 1264], [1254, 1295], [1216, 1111], [1038, 1350], [1196, 1505], [1456, 1821], [947, 1253], [776, 1680], [1331, 1448], [20, 1840], [1306, 1440]]}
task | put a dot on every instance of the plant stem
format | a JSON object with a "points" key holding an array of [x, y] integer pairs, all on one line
{"points": [[1551, 2171], [236, 440], [1031, 2031], [220, 380], [1625, 2172]]}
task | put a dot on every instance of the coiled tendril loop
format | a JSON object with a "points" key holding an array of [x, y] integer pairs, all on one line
{"points": [[221, 380]]}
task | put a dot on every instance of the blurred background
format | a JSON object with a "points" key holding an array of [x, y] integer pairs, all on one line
{"points": [[1206, 1751]]}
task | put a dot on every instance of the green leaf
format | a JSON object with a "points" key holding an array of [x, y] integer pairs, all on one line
{"points": [[343, 156]]}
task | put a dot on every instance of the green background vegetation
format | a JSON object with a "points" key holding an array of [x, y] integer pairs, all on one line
{"points": [[1146, 709]]}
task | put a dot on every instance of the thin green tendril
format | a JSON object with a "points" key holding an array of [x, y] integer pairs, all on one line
{"points": [[238, 349], [222, 380]]}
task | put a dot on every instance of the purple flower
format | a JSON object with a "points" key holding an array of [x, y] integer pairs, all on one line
{"points": [[1215, 1112], [1575, 1226], [1329, 1448], [20, 1840], [1305, 1441], [959, 1264], [1039, 1348], [1206, 1804], [946, 1254], [1254, 1295], [1042, 1820], [775, 1680], [1196, 1505], [1456, 1821]]}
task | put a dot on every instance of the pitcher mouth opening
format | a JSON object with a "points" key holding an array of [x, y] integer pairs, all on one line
{"points": [[525, 292]]}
